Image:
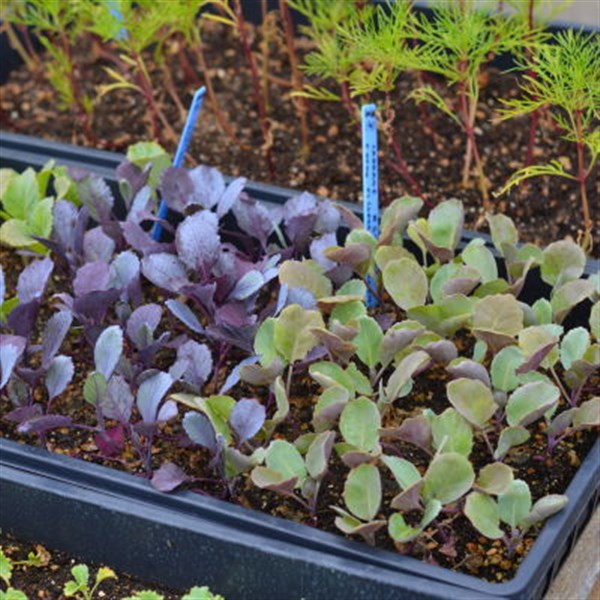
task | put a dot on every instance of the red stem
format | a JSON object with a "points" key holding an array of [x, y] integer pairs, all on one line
{"points": [[262, 115]]}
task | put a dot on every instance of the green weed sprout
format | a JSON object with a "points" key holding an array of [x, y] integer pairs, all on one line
{"points": [[564, 77], [79, 587], [58, 26], [457, 43]]}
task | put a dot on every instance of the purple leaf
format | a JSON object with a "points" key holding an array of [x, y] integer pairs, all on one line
{"points": [[200, 363], [150, 393], [208, 186], [63, 223], [140, 240], [248, 285], [536, 359], [59, 375], [200, 430], [110, 442], [139, 207], [44, 423], [131, 179], [233, 314], [198, 242], [92, 277], [124, 270], [176, 188], [118, 400], [318, 247], [246, 419], [11, 349], [96, 196], [97, 246], [253, 218], [184, 313], [168, 477], [165, 271], [22, 318], [230, 196], [142, 324], [54, 333], [2, 286], [33, 279], [167, 412], [470, 369], [302, 297], [23, 413], [234, 377], [95, 304], [108, 350], [328, 219]]}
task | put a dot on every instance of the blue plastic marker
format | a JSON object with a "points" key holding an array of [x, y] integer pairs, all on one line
{"points": [[370, 179], [184, 142], [113, 6]]}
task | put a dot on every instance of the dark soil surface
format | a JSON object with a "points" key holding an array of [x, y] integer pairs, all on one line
{"points": [[46, 582], [546, 209]]}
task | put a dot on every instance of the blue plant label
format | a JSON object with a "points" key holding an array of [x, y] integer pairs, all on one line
{"points": [[182, 147], [370, 178], [370, 169]]}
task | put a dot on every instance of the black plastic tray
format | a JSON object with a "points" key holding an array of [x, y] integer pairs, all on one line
{"points": [[182, 539]]}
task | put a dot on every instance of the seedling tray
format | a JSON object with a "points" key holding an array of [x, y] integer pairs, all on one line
{"points": [[179, 540]]}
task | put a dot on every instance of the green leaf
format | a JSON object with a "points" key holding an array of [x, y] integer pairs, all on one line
{"points": [[537, 337], [94, 388], [16, 234], [104, 573], [406, 283], [329, 374], [497, 320], [403, 374], [574, 346], [264, 342], [12, 594], [514, 505], [362, 491], [6, 567], [588, 414], [283, 457], [71, 588], [473, 400], [317, 456], [293, 339], [451, 433], [145, 595], [495, 478], [448, 477], [503, 230], [40, 219], [544, 508], [504, 367], [569, 295], [483, 513], [348, 311], [201, 593], [400, 531], [21, 195], [405, 473], [445, 223], [142, 153], [478, 256], [563, 261], [306, 274], [530, 401], [595, 321], [445, 317], [81, 574], [509, 437], [542, 309], [359, 424], [396, 217], [368, 341]]}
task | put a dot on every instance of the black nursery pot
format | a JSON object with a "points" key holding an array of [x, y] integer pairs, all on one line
{"points": [[185, 539]]}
